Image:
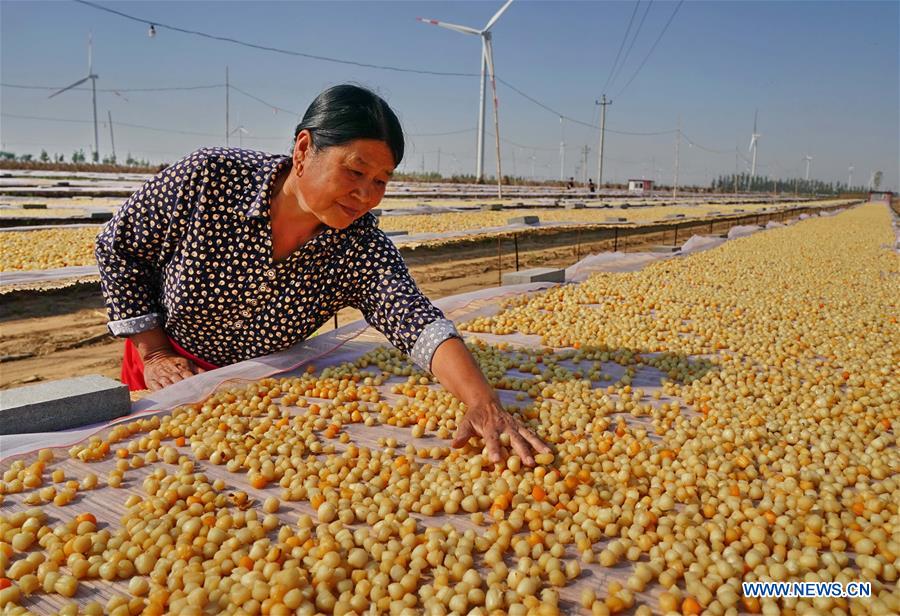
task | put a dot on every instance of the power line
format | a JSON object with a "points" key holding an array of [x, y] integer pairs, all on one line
{"points": [[115, 90], [128, 125], [633, 39], [266, 103], [451, 132], [288, 52], [649, 53], [621, 46]]}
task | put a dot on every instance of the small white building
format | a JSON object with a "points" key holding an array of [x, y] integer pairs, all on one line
{"points": [[640, 187]]}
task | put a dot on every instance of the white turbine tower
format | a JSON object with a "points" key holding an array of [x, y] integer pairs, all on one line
{"points": [[754, 139], [93, 79], [487, 62], [850, 178], [807, 158]]}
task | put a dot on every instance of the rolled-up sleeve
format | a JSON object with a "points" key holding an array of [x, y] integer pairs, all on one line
{"points": [[134, 246], [392, 303]]}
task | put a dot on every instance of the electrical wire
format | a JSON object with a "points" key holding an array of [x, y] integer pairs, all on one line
{"points": [[621, 46], [287, 52], [126, 124], [266, 103], [115, 90], [633, 39], [650, 53]]}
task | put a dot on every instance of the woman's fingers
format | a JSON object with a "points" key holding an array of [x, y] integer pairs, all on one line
{"points": [[520, 446], [463, 433], [533, 439]]}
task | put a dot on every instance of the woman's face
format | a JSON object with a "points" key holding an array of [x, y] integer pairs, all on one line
{"points": [[341, 183]]}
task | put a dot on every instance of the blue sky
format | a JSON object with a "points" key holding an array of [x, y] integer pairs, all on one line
{"points": [[824, 76]]}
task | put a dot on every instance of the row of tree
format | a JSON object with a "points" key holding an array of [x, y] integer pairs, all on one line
{"points": [[78, 157], [744, 182]]}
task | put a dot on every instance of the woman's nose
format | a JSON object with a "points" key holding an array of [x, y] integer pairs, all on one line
{"points": [[363, 192]]}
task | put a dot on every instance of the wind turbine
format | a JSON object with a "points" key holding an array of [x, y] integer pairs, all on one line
{"points": [[850, 179], [807, 158], [93, 79], [754, 139], [487, 62]]}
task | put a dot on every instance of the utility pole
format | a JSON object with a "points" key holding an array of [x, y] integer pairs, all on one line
{"points": [[532, 165], [112, 139], [603, 103], [584, 164], [677, 143], [439, 163], [850, 179], [735, 169], [562, 149], [227, 89]]}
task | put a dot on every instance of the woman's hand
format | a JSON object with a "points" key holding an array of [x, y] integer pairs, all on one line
{"points": [[490, 421], [162, 369]]}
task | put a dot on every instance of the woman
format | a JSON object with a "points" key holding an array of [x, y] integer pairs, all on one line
{"points": [[232, 254]]}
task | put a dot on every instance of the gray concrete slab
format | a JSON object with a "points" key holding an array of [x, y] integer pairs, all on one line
{"points": [[524, 220], [537, 274], [491, 207], [395, 233], [63, 404], [575, 206]]}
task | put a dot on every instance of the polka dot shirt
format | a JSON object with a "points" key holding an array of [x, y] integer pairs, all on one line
{"points": [[191, 251]]}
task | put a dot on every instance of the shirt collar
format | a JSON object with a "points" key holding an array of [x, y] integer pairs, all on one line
{"points": [[261, 192]]}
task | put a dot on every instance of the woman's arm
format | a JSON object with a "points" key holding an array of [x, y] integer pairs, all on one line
{"points": [[132, 248], [162, 365], [457, 370]]}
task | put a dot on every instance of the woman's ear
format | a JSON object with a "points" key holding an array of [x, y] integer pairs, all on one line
{"points": [[302, 149]]}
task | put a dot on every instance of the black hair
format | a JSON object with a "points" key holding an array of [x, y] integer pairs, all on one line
{"points": [[345, 113]]}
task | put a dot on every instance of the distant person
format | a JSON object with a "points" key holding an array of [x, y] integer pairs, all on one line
{"points": [[591, 186], [570, 184], [232, 254]]}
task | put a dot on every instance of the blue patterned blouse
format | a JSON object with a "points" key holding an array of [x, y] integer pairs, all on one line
{"points": [[191, 251]]}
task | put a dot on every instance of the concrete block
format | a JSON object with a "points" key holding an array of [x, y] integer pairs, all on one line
{"points": [[491, 207], [740, 210], [615, 220], [674, 216], [64, 404], [101, 215], [62, 184], [537, 274], [34, 206], [664, 248], [395, 233], [523, 220], [578, 205], [714, 213]]}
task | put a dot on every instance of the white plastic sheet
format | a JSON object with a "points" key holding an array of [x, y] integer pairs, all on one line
{"points": [[47, 275]]}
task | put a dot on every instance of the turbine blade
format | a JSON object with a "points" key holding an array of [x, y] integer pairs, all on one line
{"points": [[449, 26], [497, 15], [755, 114], [77, 83]]}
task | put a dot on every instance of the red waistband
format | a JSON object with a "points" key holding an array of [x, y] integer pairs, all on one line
{"points": [[133, 365]]}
